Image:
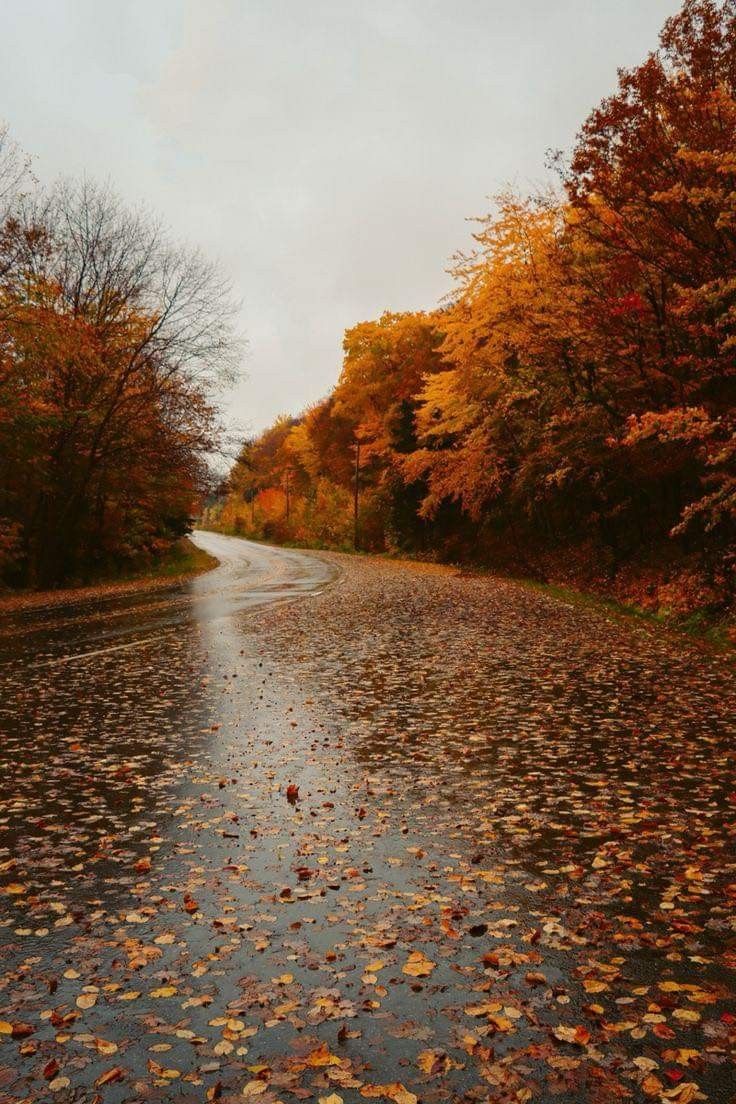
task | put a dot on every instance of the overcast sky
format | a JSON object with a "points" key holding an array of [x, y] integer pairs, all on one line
{"points": [[327, 153]]}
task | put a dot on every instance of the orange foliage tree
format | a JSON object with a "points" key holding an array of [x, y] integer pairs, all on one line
{"points": [[575, 398], [110, 341]]}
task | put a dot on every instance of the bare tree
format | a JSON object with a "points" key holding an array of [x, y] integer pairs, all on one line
{"points": [[15, 171]]}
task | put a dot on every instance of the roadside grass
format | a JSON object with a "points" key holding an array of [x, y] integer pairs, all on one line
{"points": [[718, 631], [183, 558]]}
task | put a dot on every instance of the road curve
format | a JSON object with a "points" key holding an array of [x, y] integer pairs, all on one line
{"points": [[248, 575]]}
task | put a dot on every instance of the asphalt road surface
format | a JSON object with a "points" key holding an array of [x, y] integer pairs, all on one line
{"points": [[324, 828]]}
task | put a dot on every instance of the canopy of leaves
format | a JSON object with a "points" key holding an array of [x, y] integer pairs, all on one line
{"points": [[579, 387]]}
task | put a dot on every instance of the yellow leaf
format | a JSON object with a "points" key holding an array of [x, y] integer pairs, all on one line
{"points": [[684, 1093], [418, 965], [483, 1009], [593, 986], [322, 1057], [578, 1035], [392, 1091], [651, 1085], [427, 1061], [501, 1023]]}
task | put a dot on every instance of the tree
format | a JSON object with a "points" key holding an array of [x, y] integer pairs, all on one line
{"points": [[112, 340], [652, 184], [575, 399]]}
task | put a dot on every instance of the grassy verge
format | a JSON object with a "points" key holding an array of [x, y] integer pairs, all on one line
{"points": [[717, 631], [182, 559]]}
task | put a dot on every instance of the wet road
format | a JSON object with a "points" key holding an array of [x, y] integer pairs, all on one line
{"points": [[334, 829], [248, 575]]}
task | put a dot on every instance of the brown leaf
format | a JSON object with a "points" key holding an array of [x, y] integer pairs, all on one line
{"points": [[115, 1073]]}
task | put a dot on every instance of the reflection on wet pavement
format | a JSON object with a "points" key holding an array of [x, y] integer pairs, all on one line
{"points": [[508, 873]]}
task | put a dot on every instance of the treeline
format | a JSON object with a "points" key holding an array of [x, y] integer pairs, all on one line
{"points": [[571, 409], [111, 341]]}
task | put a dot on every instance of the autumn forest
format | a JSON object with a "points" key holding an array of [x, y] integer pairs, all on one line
{"points": [[385, 753], [113, 340], [570, 411]]}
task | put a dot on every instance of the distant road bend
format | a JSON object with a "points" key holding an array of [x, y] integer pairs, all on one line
{"points": [[248, 575]]}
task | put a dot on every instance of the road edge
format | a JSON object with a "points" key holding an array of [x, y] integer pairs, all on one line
{"points": [[20, 602]]}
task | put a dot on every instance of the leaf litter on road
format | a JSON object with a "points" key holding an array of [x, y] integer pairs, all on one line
{"points": [[480, 848]]}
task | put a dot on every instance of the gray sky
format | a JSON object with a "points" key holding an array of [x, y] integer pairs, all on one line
{"points": [[327, 153]]}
